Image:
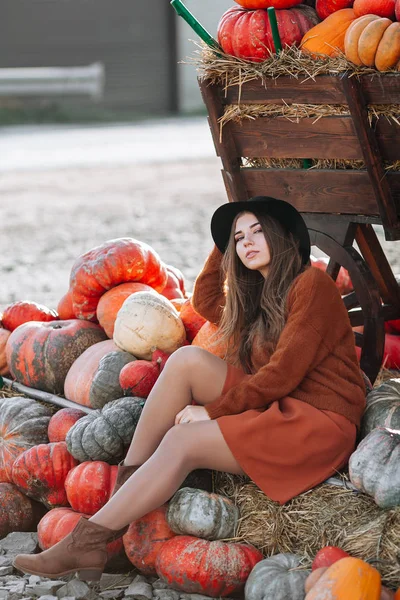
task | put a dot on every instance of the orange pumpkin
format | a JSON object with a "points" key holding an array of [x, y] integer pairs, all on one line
{"points": [[172, 289], [65, 308], [388, 52], [144, 538], [397, 595], [110, 303], [206, 339], [369, 40], [61, 423], [89, 485], [21, 312], [350, 578], [327, 38], [353, 35], [381, 8], [106, 266], [4, 335], [192, 321]]}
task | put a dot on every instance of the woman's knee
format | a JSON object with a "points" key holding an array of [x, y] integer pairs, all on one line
{"points": [[184, 358], [181, 445]]}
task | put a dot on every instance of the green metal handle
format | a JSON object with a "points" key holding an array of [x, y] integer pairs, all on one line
{"points": [[191, 20], [274, 29]]}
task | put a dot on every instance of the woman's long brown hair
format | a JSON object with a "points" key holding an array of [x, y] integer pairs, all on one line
{"points": [[255, 307]]}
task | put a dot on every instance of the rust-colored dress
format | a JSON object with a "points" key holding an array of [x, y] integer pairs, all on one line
{"points": [[292, 423]]}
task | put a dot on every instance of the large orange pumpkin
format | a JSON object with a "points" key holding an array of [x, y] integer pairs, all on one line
{"points": [[347, 578], [21, 312], [4, 335], [59, 522], [93, 379], [144, 539], [89, 485], [110, 303], [213, 568], [327, 38], [374, 42], [17, 511], [114, 262], [40, 473], [40, 355], [207, 338]]}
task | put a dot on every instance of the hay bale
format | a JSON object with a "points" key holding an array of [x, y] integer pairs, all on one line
{"points": [[326, 515]]}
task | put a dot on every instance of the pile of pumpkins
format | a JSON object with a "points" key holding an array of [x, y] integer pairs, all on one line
{"points": [[366, 31], [104, 348]]}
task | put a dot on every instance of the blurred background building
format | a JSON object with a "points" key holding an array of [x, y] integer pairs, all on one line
{"points": [[128, 53]]}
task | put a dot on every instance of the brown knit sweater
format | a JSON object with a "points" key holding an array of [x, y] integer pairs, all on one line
{"points": [[315, 359]]}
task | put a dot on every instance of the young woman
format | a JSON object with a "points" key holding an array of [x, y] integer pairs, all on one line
{"points": [[283, 407]]}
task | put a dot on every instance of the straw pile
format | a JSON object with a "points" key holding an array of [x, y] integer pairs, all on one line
{"points": [[325, 515]]}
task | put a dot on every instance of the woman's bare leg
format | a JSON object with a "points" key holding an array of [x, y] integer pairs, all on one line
{"points": [[189, 374], [197, 445]]}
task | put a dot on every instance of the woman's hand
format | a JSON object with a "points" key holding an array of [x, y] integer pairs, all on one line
{"points": [[192, 413]]}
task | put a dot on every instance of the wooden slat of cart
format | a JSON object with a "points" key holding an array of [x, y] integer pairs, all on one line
{"points": [[320, 191], [327, 137], [324, 89]]}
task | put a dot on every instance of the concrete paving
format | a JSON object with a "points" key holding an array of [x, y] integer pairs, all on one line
{"points": [[47, 147]]}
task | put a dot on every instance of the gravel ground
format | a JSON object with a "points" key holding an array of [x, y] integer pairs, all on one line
{"points": [[48, 218]]}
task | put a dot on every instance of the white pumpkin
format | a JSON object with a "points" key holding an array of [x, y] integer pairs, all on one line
{"points": [[147, 321]]}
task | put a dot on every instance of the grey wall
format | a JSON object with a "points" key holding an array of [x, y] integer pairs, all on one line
{"points": [[208, 12]]}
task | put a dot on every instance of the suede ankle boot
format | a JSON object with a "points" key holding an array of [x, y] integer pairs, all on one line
{"points": [[123, 475], [83, 551]]}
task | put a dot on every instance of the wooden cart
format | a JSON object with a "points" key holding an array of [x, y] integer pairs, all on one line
{"points": [[339, 206]]}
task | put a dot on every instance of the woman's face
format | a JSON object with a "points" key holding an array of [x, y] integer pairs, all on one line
{"points": [[251, 245]]}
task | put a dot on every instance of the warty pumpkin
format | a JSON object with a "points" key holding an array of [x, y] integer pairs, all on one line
{"points": [[93, 379], [106, 434], [374, 466], [350, 578], [327, 38], [61, 423], [276, 577], [114, 262], [147, 321], [21, 312], [144, 539], [247, 33], [17, 511], [383, 407], [110, 303], [4, 335], [40, 473], [202, 514], [23, 424], [198, 566], [88, 486], [40, 355]]}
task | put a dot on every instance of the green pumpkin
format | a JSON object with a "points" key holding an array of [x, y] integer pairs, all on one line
{"points": [[383, 407], [201, 514], [106, 434], [277, 577], [374, 467]]}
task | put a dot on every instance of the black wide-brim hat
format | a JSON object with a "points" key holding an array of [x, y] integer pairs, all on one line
{"points": [[285, 213]]}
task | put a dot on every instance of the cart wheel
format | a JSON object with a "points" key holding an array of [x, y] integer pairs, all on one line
{"points": [[365, 296]]}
